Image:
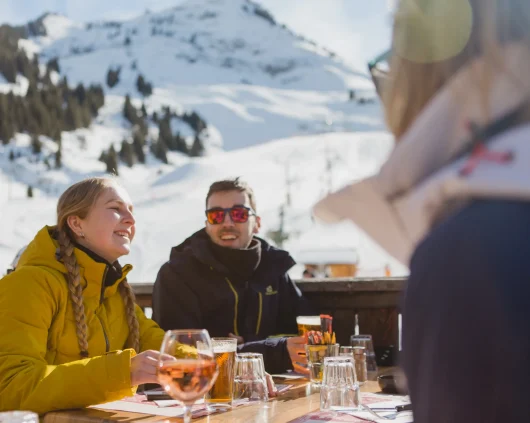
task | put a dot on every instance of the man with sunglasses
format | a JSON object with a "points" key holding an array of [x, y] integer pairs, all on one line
{"points": [[226, 280]]}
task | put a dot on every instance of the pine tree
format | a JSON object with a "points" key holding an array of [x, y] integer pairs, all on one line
{"points": [[6, 128], [144, 87], [104, 157], [180, 144], [36, 144], [164, 133], [64, 83], [140, 83], [30, 191], [160, 150], [53, 64], [58, 159], [197, 149], [195, 121], [11, 156], [112, 161], [127, 153], [8, 67], [113, 77], [57, 133], [138, 144], [144, 111], [73, 118], [129, 111], [81, 94], [141, 127]]}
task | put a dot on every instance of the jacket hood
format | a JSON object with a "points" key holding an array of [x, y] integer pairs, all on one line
{"points": [[42, 252], [421, 183], [198, 247]]}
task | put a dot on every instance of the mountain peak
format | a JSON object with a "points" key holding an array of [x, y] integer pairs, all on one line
{"points": [[196, 42]]}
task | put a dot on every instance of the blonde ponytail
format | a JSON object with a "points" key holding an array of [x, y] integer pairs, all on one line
{"points": [[134, 328], [67, 256]]}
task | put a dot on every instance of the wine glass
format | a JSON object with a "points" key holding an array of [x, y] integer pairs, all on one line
{"points": [[187, 368]]}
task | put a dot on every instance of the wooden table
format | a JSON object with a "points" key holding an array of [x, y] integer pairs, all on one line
{"points": [[298, 401]]}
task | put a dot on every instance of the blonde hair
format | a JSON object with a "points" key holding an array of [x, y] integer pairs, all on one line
{"points": [[78, 200], [433, 39]]}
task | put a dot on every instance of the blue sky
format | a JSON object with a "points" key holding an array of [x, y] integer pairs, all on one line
{"points": [[357, 30]]}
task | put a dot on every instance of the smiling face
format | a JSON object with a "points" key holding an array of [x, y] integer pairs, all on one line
{"points": [[109, 227], [229, 234]]}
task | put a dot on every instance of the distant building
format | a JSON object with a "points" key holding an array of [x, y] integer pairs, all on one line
{"points": [[334, 263]]}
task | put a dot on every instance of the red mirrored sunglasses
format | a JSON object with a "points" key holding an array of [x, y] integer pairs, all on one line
{"points": [[238, 214]]}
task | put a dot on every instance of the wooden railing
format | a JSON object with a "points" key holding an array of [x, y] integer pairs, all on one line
{"points": [[372, 304]]}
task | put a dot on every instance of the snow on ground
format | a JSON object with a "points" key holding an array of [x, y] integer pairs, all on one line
{"points": [[169, 200]]}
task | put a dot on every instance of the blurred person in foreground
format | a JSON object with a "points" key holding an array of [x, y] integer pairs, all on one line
{"points": [[227, 280], [453, 202]]}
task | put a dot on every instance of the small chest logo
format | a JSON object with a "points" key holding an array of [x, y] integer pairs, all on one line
{"points": [[270, 291]]}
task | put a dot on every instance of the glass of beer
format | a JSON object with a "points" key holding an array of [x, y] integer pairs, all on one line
{"points": [[307, 323], [224, 350]]}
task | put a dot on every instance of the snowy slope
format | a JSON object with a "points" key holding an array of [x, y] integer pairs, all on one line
{"points": [[252, 80], [277, 110], [170, 206]]}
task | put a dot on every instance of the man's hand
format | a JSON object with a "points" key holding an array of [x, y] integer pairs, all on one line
{"points": [[240, 339], [296, 349]]}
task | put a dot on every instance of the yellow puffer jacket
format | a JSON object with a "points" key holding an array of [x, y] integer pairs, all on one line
{"points": [[40, 366]]}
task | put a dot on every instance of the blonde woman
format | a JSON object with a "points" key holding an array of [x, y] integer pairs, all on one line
{"points": [[70, 332], [453, 202]]}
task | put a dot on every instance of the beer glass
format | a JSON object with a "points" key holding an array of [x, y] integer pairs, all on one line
{"points": [[307, 323], [224, 350]]}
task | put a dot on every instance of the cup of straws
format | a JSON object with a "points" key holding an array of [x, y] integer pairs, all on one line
{"points": [[319, 345]]}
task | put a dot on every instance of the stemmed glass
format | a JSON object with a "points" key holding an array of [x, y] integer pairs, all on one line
{"points": [[187, 368]]}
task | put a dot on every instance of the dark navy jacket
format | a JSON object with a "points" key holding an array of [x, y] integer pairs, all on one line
{"points": [[466, 327], [194, 291]]}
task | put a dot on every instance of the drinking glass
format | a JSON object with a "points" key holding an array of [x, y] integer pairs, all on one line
{"points": [[346, 351], [224, 350], [339, 384], [307, 324], [315, 358], [366, 342], [187, 368], [250, 380]]}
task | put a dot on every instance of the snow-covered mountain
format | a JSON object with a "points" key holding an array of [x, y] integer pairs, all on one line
{"points": [[278, 111]]}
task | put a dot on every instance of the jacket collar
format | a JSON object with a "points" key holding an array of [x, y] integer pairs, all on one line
{"points": [[198, 247], [42, 251], [421, 182], [94, 273]]}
